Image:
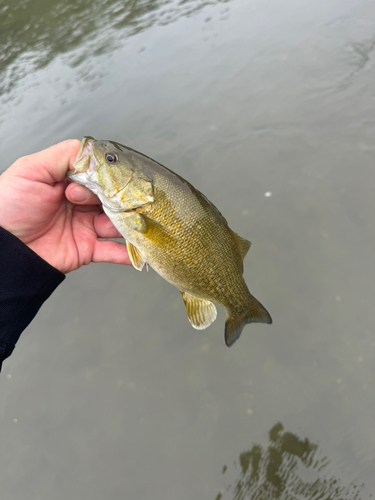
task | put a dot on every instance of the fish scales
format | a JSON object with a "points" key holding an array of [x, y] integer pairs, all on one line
{"points": [[197, 267], [175, 229]]}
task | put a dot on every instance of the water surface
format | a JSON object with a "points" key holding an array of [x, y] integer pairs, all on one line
{"points": [[267, 108]]}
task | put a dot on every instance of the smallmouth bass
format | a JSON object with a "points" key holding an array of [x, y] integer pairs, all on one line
{"points": [[171, 226]]}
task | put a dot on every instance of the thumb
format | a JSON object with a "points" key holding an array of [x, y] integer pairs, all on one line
{"points": [[50, 165]]}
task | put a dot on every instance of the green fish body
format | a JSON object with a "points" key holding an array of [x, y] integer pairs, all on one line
{"points": [[171, 226]]}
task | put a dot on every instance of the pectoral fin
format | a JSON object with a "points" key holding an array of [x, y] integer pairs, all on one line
{"points": [[201, 313], [135, 256], [158, 234]]}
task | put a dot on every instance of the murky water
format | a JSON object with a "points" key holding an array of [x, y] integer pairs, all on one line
{"points": [[268, 108]]}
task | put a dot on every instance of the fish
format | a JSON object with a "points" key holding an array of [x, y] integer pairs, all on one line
{"points": [[172, 227]]}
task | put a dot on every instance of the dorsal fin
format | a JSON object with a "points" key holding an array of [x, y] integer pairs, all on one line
{"points": [[243, 245]]}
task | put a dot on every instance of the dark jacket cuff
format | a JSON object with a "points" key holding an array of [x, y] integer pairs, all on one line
{"points": [[26, 281]]}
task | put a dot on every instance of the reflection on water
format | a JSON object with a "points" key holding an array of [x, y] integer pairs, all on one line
{"points": [[289, 468], [33, 32]]}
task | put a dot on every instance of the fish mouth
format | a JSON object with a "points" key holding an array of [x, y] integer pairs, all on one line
{"points": [[85, 166], [84, 173], [85, 162]]}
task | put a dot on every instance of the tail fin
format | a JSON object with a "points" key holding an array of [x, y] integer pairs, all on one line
{"points": [[255, 314]]}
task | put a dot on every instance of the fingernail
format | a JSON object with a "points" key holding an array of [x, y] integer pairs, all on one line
{"points": [[108, 224]]}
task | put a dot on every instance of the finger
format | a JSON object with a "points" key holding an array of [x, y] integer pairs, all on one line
{"points": [[50, 165], [111, 251], [104, 227], [80, 195]]}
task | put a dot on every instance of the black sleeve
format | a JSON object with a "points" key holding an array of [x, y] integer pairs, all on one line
{"points": [[26, 281]]}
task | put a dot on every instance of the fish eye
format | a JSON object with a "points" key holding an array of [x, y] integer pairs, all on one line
{"points": [[111, 158]]}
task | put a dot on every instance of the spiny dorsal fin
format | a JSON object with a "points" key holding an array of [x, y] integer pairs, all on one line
{"points": [[135, 256], [243, 245], [201, 313]]}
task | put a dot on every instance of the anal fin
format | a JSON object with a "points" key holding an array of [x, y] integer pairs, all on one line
{"points": [[201, 313], [135, 256]]}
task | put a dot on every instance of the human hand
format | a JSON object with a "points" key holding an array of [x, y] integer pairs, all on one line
{"points": [[58, 220]]}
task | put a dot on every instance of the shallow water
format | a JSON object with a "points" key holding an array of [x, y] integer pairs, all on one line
{"points": [[267, 108]]}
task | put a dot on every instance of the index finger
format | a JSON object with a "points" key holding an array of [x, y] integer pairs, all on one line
{"points": [[51, 164]]}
